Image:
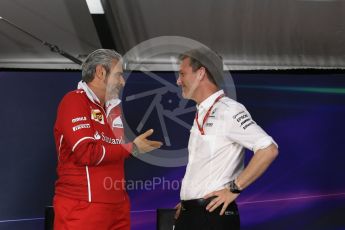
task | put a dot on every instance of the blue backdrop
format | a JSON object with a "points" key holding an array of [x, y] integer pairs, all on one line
{"points": [[304, 188]]}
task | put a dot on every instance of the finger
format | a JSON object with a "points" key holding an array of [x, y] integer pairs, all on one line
{"points": [[177, 206], [147, 133], [225, 205], [177, 214], [178, 210], [151, 145], [212, 202], [216, 205], [157, 144]]}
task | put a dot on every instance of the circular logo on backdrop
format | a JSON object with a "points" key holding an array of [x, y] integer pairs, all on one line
{"points": [[152, 99]]}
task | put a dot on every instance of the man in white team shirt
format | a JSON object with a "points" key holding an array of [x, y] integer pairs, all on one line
{"points": [[215, 174]]}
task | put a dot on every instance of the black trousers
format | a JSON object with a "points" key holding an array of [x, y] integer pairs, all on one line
{"points": [[194, 216]]}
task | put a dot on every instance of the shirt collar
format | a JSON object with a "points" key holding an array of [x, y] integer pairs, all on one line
{"points": [[89, 93], [113, 102], [210, 100], [109, 105]]}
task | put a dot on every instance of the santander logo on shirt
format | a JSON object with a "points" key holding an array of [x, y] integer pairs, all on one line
{"points": [[113, 141], [97, 136]]}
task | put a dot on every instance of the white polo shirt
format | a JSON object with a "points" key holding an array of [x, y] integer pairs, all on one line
{"points": [[217, 157]]}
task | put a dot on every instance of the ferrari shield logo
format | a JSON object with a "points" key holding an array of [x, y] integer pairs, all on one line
{"points": [[97, 115]]}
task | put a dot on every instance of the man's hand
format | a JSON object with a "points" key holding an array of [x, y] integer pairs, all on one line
{"points": [[144, 145], [223, 196], [178, 210]]}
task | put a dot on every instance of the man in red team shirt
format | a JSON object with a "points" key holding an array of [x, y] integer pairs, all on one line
{"points": [[91, 150]]}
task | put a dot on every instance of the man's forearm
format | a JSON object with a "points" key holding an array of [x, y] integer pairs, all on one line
{"points": [[257, 166]]}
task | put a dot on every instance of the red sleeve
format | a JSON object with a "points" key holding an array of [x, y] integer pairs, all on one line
{"points": [[75, 125]]}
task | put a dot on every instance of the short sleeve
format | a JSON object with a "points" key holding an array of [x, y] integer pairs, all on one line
{"points": [[242, 129]]}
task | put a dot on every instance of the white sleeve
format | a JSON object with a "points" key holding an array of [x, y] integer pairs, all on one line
{"points": [[243, 130]]}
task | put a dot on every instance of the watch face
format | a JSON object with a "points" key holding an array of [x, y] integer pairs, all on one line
{"points": [[234, 188]]}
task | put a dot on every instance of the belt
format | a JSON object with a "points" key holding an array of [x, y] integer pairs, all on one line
{"points": [[196, 203], [202, 203]]}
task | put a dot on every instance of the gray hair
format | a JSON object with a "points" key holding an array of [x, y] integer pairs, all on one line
{"points": [[103, 57]]}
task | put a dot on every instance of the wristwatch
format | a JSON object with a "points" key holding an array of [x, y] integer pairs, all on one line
{"points": [[135, 150], [233, 187]]}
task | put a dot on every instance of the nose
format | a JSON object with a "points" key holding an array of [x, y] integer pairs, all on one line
{"points": [[122, 81], [178, 81]]}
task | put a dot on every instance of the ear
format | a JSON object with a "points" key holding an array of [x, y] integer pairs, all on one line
{"points": [[100, 72], [201, 73]]}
